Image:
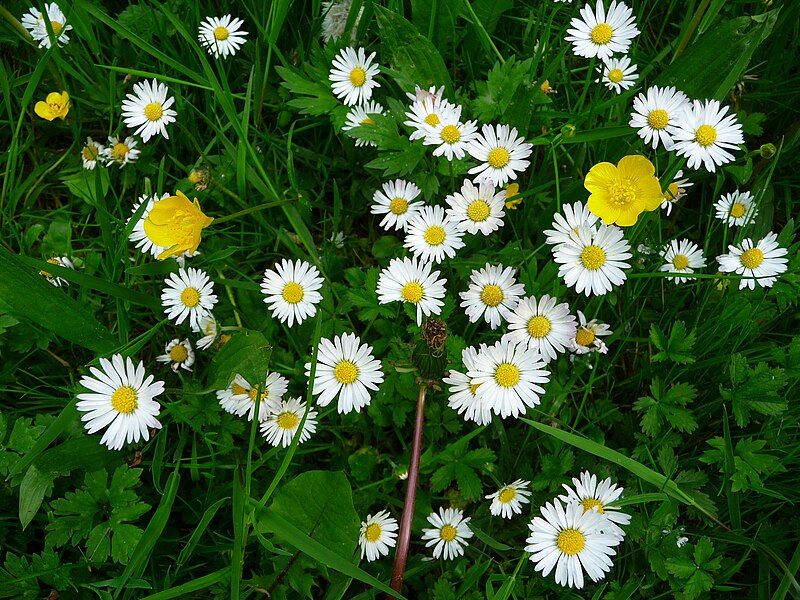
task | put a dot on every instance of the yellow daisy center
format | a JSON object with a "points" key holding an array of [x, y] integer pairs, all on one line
{"points": [[432, 119], [358, 77], [491, 295], [621, 193], [737, 210], [253, 393], [498, 158], [293, 292], [57, 27], [602, 33], [615, 75], [238, 390], [506, 375], [398, 206], [584, 336], [658, 118], [221, 33], [448, 533], [90, 152], [539, 326], [672, 193], [590, 503], [752, 258], [119, 151], [287, 420], [345, 372], [373, 532], [705, 135], [434, 235], [368, 121], [570, 541], [179, 353], [478, 211], [412, 292], [473, 388], [450, 134], [680, 262], [593, 257], [124, 400], [190, 297], [153, 111], [507, 495]]}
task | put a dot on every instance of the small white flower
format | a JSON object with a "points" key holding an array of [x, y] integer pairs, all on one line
{"points": [[34, 22], [378, 534], [92, 153], [576, 216], [682, 256], [188, 293], [346, 369], [449, 534], [592, 495], [411, 280], [463, 390], [681, 541], [353, 76], [221, 36], [477, 209], [618, 74], [283, 419], [703, 134], [59, 261], [148, 109], [588, 334], [543, 325], [501, 152], [600, 33], [592, 262], [759, 263], [654, 112], [426, 111], [451, 137], [675, 191], [121, 398], [431, 236], [396, 202], [239, 398], [209, 329], [493, 294], [360, 115], [737, 208], [291, 291], [508, 500], [120, 152], [179, 353]]}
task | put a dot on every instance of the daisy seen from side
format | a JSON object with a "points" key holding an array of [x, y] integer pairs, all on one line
{"points": [[59, 261], [493, 294], [449, 533], [352, 76], [593, 494], [431, 236], [588, 336], [377, 535], [575, 217], [179, 354], [210, 331], [283, 420], [543, 325], [412, 280], [477, 208], [91, 154], [508, 500], [291, 291], [148, 110], [593, 262], [705, 134], [396, 202], [675, 191], [189, 293], [682, 256], [600, 32], [501, 152], [736, 208], [655, 112], [463, 391], [758, 263], [222, 36], [240, 398]]}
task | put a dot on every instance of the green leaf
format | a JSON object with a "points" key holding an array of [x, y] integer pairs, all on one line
{"points": [[677, 347], [667, 405], [31, 493], [246, 353], [313, 97], [754, 389]]}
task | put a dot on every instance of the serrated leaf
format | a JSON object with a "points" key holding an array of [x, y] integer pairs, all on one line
{"points": [[246, 353], [677, 347]]}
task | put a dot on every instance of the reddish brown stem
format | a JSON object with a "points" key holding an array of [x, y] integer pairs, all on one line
{"points": [[404, 535]]}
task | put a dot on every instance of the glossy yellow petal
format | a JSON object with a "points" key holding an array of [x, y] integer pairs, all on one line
{"points": [[54, 98], [176, 224], [600, 177], [600, 206], [635, 167], [43, 110]]}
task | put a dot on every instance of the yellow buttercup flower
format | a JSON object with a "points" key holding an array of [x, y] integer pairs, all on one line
{"points": [[55, 105], [176, 224], [621, 192], [513, 190]]}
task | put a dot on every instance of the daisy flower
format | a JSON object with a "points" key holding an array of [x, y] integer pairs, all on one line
{"points": [[240, 397], [451, 137], [411, 280], [508, 500], [138, 235], [463, 392], [353, 76], [477, 209], [347, 370], [378, 534], [736, 208], [703, 134], [682, 256], [621, 192], [544, 326], [121, 398], [593, 495], [221, 36], [576, 216], [492, 294], [600, 33], [592, 262], [449, 534], [148, 109], [675, 191], [507, 376], [119, 151], [501, 152], [188, 293], [655, 112], [34, 22], [431, 236], [179, 353], [569, 539], [92, 152], [758, 263], [426, 111], [334, 19], [291, 291], [59, 261], [396, 202], [588, 334], [618, 74], [209, 329], [360, 115], [283, 420]]}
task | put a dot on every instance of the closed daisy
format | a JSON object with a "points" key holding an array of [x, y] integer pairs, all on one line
{"points": [[593, 262], [621, 192], [492, 294], [588, 336], [507, 376], [758, 263], [477, 209], [451, 137], [361, 115], [449, 534], [395, 201], [576, 216], [704, 135], [34, 22], [599, 496], [542, 325], [353, 75], [736, 208], [501, 152], [431, 236], [464, 392], [569, 539], [59, 261], [426, 112], [138, 235], [188, 294], [655, 112], [675, 191], [121, 399], [240, 398], [346, 369], [618, 74], [120, 152], [283, 420], [411, 280], [682, 256], [210, 331], [91, 153], [508, 500], [378, 534], [600, 33], [179, 353], [221, 36], [291, 291], [148, 109]]}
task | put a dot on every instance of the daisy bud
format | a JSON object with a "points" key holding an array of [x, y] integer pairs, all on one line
{"points": [[429, 356], [568, 130], [767, 150]]}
